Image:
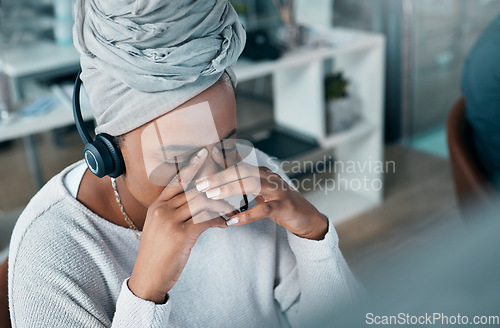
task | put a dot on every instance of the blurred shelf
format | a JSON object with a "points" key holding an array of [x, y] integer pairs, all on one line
{"points": [[282, 144], [353, 41], [51, 57], [19, 126], [40, 58], [359, 130]]}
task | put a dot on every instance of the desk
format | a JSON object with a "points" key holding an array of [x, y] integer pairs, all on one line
{"points": [[298, 94], [50, 61], [46, 60], [26, 127]]}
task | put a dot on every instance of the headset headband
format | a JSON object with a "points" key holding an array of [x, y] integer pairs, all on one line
{"points": [[77, 112]]}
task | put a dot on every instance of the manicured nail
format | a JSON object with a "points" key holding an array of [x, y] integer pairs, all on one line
{"points": [[199, 156], [203, 185], [233, 221], [202, 152], [213, 193]]}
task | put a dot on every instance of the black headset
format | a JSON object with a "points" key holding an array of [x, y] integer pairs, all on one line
{"points": [[102, 156]]}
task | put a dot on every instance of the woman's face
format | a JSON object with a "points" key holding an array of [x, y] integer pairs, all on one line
{"points": [[154, 152]]}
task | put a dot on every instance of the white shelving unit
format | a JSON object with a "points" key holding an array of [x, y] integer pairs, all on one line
{"points": [[299, 105]]}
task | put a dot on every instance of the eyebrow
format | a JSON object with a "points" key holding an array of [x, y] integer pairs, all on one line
{"points": [[191, 147]]}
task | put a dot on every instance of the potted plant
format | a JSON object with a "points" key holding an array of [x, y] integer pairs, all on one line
{"points": [[340, 112]]}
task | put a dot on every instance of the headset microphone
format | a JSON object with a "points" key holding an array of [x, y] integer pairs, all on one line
{"points": [[102, 156]]}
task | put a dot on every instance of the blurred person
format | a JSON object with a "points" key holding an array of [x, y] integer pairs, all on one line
{"points": [[481, 88], [135, 248], [450, 278]]}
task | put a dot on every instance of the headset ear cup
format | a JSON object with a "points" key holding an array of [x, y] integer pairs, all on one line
{"points": [[117, 163], [98, 159]]}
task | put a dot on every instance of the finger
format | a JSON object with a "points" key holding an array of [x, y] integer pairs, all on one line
{"points": [[268, 188], [184, 176], [266, 169], [231, 174], [250, 185], [182, 198], [205, 220], [202, 204], [258, 212], [218, 158]]}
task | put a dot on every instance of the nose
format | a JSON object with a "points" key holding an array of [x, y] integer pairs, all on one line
{"points": [[209, 167]]}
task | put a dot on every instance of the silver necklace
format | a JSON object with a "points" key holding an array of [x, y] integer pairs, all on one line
{"points": [[122, 209]]}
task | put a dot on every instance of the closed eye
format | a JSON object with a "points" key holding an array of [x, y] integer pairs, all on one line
{"points": [[228, 149], [176, 162]]}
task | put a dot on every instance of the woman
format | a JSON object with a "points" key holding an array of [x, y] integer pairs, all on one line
{"points": [[138, 251]]}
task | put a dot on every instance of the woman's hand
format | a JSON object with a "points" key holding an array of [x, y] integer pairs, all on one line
{"points": [[275, 198], [170, 231]]}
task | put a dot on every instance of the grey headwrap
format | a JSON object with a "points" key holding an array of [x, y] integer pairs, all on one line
{"points": [[140, 59]]}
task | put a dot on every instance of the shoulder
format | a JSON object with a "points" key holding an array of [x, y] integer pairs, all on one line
{"points": [[481, 81], [483, 58], [50, 227], [54, 257]]}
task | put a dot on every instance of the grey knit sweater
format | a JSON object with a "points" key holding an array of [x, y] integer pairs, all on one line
{"points": [[68, 267]]}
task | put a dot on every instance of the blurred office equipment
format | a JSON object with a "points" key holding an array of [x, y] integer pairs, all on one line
{"points": [[472, 187], [260, 46], [259, 14], [24, 21], [274, 25], [428, 41], [256, 14]]}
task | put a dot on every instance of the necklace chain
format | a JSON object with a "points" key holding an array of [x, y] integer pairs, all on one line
{"points": [[122, 209]]}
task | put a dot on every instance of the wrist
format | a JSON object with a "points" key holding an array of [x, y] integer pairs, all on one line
{"points": [[319, 230], [146, 292]]}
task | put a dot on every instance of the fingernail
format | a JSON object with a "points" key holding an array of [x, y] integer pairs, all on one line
{"points": [[202, 186], [233, 221], [216, 150], [213, 193], [202, 152], [199, 156]]}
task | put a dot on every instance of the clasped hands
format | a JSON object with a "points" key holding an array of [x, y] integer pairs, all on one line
{"points": [[275, 198], [182, 212]]}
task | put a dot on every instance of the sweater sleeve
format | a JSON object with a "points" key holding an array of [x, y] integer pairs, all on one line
{"points": [[317, 283], [313, 278], [132, 311], [57, 279]]}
